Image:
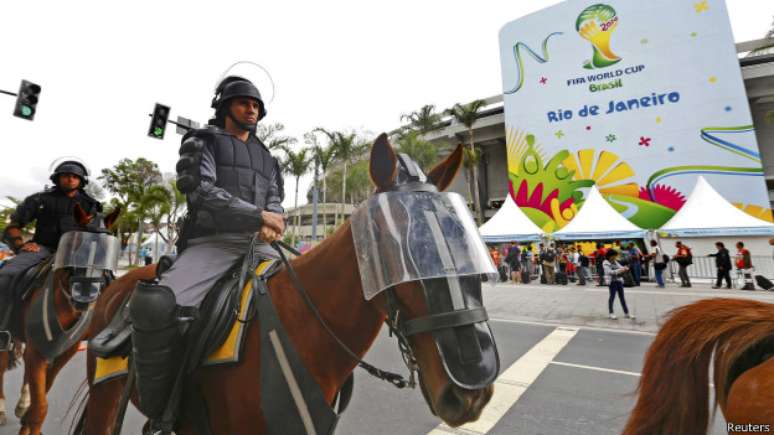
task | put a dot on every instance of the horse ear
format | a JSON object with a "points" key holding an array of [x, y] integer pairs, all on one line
{"points": [[383, 166], [81, 217], [111, 219], [443, 173]]}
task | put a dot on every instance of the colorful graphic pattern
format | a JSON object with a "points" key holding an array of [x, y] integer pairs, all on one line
{"points": [[520, 62], [596, 24]]}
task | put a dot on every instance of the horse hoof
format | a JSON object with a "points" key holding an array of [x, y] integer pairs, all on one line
{"points": [[20, 411]]}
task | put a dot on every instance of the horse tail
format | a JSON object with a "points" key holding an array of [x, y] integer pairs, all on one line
{"points": [[78, 404], [673, 392]]}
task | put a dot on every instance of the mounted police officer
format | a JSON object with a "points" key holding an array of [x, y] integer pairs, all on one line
{"points": [[52, 212], [234, 188]]}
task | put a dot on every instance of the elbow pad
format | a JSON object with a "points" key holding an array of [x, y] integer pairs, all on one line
{"points": [[188, 166]]}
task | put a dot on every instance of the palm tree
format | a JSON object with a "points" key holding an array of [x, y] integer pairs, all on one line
{"points": [[154, 204], [6, 212], [467, 114], [323, 157], [297, 164], [345, 146], [270, 135], [423, 120]]}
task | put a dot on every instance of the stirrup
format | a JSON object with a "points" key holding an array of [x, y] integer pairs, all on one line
{"points": [[6, 341]]}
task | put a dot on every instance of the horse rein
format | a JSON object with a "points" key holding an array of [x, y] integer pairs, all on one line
{"points": [[395, 379]]}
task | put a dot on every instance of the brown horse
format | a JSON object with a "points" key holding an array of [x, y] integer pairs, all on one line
{"points": [[674, 387], [39, 374], [330, 273]]}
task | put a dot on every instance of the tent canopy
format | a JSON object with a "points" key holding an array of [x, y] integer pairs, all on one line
{"points": [[596, 220], [707, 213], [509, 224]]}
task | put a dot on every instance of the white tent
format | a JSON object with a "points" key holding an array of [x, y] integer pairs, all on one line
{"points": [[596, 220], [509, 224], [707, 213]]}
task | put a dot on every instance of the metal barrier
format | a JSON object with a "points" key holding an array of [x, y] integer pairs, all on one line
{"points": [[704, 268]]}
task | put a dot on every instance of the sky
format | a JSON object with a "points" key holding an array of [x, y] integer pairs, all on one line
{"points": [[341, 65]]}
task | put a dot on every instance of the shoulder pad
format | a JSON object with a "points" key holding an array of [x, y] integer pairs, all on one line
{"points": [[91, 200], [260, 142]]}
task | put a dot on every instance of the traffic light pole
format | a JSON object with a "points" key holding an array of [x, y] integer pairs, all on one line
{"points": [[169, 121]]}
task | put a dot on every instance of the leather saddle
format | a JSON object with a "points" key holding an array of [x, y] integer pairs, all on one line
{"points": [[216, 315]]}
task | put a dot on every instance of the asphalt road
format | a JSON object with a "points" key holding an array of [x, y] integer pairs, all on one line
{"points": [[584, 386]]}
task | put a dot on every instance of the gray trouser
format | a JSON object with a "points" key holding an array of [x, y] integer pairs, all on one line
{"points": [[20, 263], [204, 262], [8, 275], [683, 273]]}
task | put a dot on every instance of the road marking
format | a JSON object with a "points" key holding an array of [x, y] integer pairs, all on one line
{"points": [[565, 325], [598, 369], [514, 381]]}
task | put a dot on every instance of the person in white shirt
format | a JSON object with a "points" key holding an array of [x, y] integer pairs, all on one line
{"points": [[614, 270]]}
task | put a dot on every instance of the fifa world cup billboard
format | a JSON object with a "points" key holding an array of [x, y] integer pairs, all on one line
{"points": [[636, 97]]}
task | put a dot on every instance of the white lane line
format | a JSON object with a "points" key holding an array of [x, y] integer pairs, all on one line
{"points": [[564, 325], [514, 381], [598, 369]]}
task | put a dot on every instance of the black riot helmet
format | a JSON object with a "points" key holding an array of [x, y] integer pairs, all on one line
{"points": [[232, 87], [70, 167]]}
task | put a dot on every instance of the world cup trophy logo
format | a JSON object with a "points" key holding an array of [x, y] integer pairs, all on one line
{"points": [[596, 24]]}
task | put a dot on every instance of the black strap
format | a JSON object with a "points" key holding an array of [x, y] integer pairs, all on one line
{"points": [[345, 395], [393, 378], [451, 319]]}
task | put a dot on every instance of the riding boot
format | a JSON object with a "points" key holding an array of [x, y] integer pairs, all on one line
{"points": [[156, 346]]}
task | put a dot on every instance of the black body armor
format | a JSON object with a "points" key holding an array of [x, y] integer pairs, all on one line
{"points": [[227, 182], [53, 212]]}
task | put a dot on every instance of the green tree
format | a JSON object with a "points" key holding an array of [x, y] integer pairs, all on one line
{"points": [[271, 136], [297, 164], [424, 120], [467, 114], [6, 212], [422, 151], [130, 180], [323, 157], [346, 146]]}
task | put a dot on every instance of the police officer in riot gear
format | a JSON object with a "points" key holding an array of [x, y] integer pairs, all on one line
{"points": [[234, 189], [52, 212]]}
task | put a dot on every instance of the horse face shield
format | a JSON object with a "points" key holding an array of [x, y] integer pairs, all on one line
{"points": [[88, 256], [431, 237]]}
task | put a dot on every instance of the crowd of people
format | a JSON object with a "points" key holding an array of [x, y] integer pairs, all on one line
{"points": [[616, 265]]}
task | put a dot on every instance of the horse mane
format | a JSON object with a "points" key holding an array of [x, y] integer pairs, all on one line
{"points": [[673, 392]]}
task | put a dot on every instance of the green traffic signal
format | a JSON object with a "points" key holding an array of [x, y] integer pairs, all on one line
{"points": [[158, 121], [27, 100]]}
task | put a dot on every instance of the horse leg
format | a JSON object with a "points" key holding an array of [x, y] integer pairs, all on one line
{"points": [[24, 394], [58, 364], [4, 362], [36, 368]]}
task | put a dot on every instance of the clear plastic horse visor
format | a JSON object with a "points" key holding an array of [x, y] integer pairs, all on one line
{"points": [[82, 249], [409, 236]]}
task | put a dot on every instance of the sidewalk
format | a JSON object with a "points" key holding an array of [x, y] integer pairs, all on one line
{"points": [[587, 306]]}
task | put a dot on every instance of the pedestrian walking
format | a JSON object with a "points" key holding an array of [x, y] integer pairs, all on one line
{"points": [[684, 258], [614, 270], [659, 262], [744, 264], [723, 264]]}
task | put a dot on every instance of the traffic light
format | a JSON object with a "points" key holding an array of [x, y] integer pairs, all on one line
{"points": [[27, 100], [158, 123]]}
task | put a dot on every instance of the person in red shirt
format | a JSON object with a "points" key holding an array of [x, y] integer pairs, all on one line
{"points": [[744, 263], [684, 258]]}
